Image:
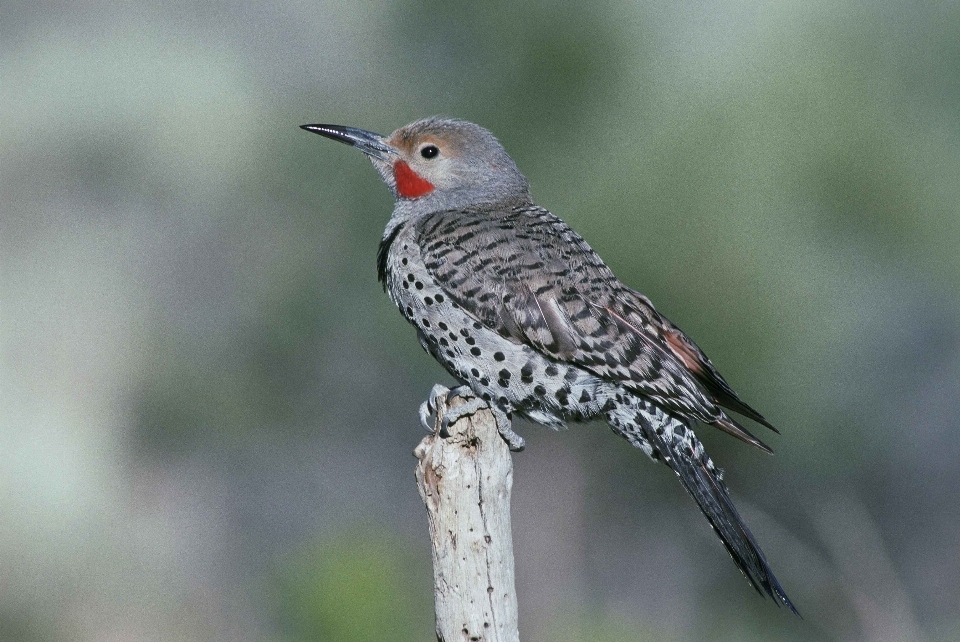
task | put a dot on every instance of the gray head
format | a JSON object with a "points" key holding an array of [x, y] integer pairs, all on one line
{"points": [[441, 163]]}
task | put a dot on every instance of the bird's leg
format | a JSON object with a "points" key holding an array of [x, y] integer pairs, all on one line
{"points": [[472, 405], [504, 426]]}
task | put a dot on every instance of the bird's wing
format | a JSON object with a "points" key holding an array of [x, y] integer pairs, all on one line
{"points": [[696, 361], [524, 273]]}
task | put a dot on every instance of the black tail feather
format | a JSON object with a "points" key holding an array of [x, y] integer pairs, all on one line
{"points": [[704, 483]]}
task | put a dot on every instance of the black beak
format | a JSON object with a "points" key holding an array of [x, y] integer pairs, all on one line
{"points": [[367, 142]]}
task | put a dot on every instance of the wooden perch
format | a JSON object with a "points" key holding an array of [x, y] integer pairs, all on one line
{"points": [[465, 482]]}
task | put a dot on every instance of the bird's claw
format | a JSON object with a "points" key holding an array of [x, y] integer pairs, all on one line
{"points": [[429, 407], [438, 392], [425, 413]]}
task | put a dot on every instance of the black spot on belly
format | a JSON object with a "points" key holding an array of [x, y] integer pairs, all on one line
{"points": [[475, 351], [585, 397], [539, 389], [498, 356], [526, 373], [552, 370]]}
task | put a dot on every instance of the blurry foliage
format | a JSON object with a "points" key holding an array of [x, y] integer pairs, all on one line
{"points": [[23, 627], [356, 587], [594, 627]]}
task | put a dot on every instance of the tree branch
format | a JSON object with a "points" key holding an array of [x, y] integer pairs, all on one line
{"points": [[465, 482]]}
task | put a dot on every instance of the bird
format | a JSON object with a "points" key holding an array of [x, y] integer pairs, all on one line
{"points": [[531, 322]]}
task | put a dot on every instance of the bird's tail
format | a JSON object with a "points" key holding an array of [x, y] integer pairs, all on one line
{"points": [[665, 437]]}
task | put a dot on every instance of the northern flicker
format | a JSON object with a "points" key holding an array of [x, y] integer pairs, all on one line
{"points": [[530, 321]]}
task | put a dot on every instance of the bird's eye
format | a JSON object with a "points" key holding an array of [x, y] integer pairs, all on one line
{"points": [[430, 151]]}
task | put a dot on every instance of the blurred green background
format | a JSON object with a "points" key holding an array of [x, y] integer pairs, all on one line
{"points": [[208, 407]]}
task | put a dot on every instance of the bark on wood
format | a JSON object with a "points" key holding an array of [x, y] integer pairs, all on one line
{"points": [[465, 482]]}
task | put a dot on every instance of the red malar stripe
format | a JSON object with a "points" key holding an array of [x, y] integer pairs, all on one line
{"points": [[409, 183]]}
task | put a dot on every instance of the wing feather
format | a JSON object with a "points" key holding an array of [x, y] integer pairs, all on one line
{"points": [[524, 273]]}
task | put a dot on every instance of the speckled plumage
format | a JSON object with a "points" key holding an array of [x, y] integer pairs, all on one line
{"points": [[517, 306]]}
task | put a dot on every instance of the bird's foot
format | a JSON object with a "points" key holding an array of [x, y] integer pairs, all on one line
{"points": [[438, 393], [473, 404]]}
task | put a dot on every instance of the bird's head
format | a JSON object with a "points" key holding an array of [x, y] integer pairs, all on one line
{"points": [[447, 163]]}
